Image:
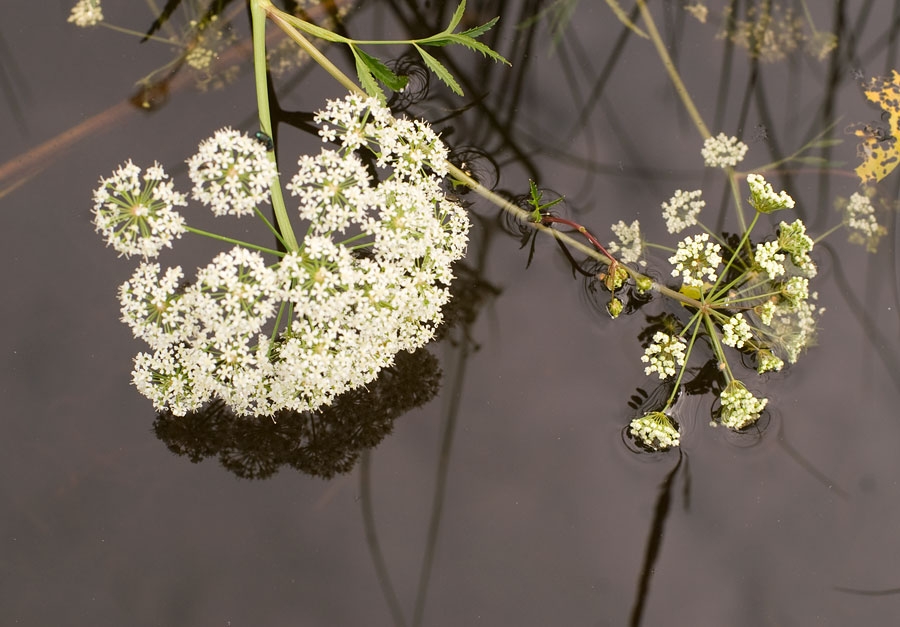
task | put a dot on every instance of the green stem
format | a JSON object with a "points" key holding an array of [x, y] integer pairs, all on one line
{"points": [[231, 240], [672, 70], [284, 22], [734, 255], [687, 356], [828, 232], [258, 16], [717, 347]]}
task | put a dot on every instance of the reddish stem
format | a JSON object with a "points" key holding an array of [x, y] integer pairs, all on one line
{"points": [[547, 220]]}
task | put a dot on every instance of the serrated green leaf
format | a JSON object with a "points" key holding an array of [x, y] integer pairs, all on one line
{"points": [[382, 72], [457, 16], [366, 79], [474, 45], [440, 71], [478, 31], [623, 17]]}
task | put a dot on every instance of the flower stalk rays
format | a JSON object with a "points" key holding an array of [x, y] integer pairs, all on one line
{"points": [[750, 299]]}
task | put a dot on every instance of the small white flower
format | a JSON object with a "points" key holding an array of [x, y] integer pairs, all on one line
{"points": [[663, 355], [681, 210], [723, 151], [86, 13], [232, 173], [656, 431], [153, 307], [736, 331], [764, 199], [795, 289], [859, 217], [739, 407], [792, 239], [695, 259], [135, 214], [769, 259], [767, 362], [630, 246]]}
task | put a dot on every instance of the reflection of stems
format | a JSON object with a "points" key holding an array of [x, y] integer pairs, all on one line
{"points": [[384, 579], [654, 542], [440, 489]]}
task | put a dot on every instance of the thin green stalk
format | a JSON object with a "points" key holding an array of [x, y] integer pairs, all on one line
{"points": [[672, 70], [828, 232], [272, 228], [258, 16], [717, 347], [734, 255], [687, 356], [283, 21], [231, 240]]}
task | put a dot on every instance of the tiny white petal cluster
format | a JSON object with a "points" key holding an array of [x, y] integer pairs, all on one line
{"points": [[696, 259], [859, 217], [135, 214], [327, 317], [663, 355], [152, 306], [740, 408], [232, 173], [764, 199], [681, 210], [86, 13], [792, 239], [769, 259], [768, 362], [655, 431], [630, 246], [795, 289], [723, 151], [737, 331]]}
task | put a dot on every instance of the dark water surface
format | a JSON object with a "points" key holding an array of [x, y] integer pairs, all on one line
{"points": [[510, 498]]}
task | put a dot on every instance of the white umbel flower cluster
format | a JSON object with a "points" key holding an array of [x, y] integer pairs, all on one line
{"points": [[135, 214], [232, 173], [768, 257], [793, 240], [764, 199], [696, 260], [655, 431], [86, 13], [859, 217], [369, 280], [736, 332], [630, 245], [681, 210], [665, 353], [723, 151], [740, 408]]}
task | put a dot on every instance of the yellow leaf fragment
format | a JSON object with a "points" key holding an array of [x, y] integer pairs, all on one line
{"points": [[878, 149]]}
